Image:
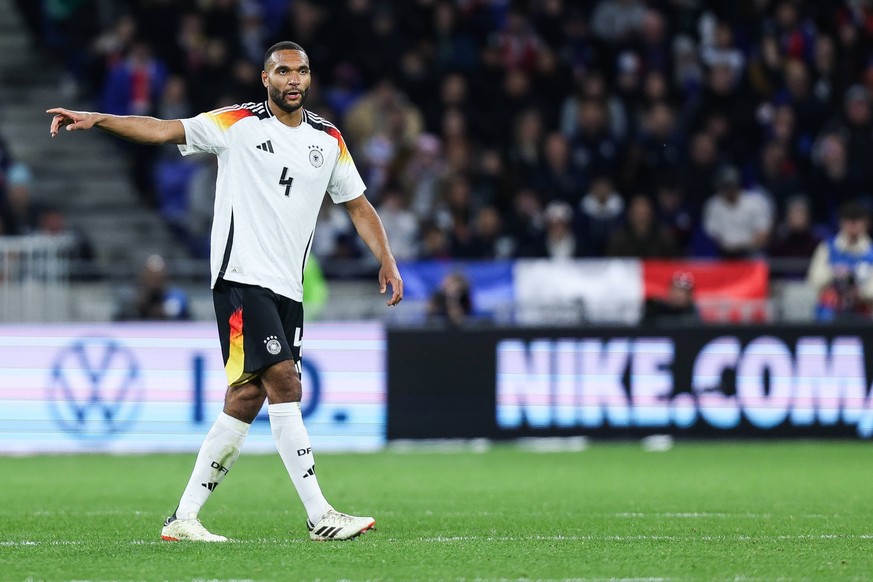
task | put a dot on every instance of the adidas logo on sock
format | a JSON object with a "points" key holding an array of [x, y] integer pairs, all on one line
{"points": [[310, 472], [267, 146], [211, 485]]}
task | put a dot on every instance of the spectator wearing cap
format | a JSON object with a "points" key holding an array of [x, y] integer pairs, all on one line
{"points": [[19, 214], [678, 306], [737, 220], [841, 270]]}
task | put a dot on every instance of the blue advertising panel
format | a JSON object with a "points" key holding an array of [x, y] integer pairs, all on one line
{"points": [[158, 387]]}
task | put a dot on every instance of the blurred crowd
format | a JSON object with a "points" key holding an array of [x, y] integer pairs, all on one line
{"points": [[500, 129], [21, 215]]}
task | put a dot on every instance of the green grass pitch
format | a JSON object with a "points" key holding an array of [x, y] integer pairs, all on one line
{"points": [[701, 511]]}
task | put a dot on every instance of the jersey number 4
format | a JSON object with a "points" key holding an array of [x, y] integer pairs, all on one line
{"points": [[286, 181]]}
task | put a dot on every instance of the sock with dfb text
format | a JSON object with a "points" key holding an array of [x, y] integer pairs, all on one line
{"points": [[292, 441], [218, 453]]}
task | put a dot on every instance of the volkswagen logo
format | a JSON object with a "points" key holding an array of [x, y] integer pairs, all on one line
{"points": [[94, 389]]}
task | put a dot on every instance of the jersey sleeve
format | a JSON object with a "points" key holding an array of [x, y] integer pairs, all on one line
{"points": [[210, 132], [345, 181]]}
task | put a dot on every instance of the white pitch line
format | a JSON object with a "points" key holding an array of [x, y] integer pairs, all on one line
{"points": [[648, 579], [640, 538], [706, 515], [25, 543], [94, 513], [541, 538]]}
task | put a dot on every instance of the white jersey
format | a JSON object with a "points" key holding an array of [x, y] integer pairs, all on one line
{"points": [[271, 182]]}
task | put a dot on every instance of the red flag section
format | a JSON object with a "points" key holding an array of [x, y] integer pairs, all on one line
{"points": [[733, 291]]}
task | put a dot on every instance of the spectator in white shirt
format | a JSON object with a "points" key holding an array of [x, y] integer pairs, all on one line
{"points": [[737, 220]]}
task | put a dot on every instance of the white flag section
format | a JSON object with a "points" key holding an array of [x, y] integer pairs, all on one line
{"points": [[599, 291], [158, 387]]}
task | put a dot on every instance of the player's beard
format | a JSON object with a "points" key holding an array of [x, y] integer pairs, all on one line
{"points": [[279, 101]]}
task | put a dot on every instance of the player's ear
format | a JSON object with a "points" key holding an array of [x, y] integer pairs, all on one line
{"points": [[264, 78]]}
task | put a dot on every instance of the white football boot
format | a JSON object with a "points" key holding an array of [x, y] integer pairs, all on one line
{"points": [[334, 526], [187, 530]]}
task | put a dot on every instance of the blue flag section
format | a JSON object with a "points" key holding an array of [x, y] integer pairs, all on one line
{"points": [[491, 283]]}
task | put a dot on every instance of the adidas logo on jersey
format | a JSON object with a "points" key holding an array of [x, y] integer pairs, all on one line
{"points": [[267, 146]]}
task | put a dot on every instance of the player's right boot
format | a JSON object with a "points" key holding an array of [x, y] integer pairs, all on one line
{"points": [[187, 530], [334, 525]]}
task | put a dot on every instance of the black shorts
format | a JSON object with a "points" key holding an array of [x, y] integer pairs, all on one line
{"points": [[257, 328]]}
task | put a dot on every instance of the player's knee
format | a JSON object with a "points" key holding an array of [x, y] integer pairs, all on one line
{"points": [[282, 383], [245, 401]]}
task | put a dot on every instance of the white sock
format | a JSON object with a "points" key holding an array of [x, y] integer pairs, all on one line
{"points": [[294, 447], [218, 453]]}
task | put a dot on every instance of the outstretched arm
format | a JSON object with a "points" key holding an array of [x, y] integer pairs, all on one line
{"points": [[145, 130], [370, 229]]}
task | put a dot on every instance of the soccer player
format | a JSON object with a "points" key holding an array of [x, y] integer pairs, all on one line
{"points": [[276, 160]]}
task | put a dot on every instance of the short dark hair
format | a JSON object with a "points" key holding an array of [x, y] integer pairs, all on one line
{"points": [[853, 210], [285, 45]]}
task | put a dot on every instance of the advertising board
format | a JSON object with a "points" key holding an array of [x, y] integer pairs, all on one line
{"points": [[711, 381], [158, 387]]}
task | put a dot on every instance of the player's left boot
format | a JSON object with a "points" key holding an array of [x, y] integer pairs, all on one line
{"points": [[187, 530], [334, 526]]}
